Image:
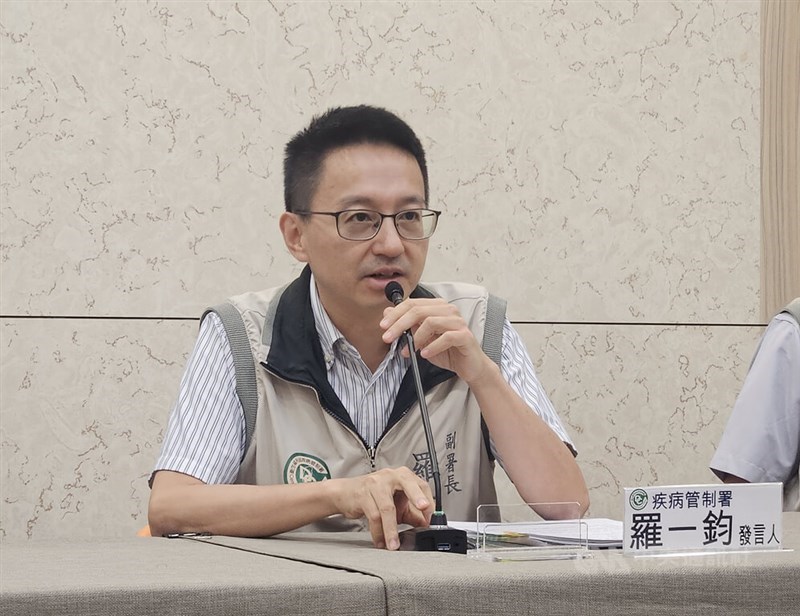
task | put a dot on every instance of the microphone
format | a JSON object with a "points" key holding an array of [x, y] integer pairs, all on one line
{"points": [[394, 292], [438, 536]]}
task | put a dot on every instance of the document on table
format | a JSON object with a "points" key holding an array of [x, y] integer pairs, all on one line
{"points": [[597, 533]]}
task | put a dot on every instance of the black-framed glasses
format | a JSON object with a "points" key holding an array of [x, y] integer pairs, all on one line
{"points": [[360, 225]]}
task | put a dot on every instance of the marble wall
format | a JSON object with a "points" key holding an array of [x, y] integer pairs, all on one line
{"points": [[597, 165]]}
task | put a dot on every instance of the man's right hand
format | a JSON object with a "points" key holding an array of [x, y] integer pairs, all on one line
{"points": [[386, 498]]}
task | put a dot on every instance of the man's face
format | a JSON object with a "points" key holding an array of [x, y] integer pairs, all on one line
{"points": [[351, 275]]}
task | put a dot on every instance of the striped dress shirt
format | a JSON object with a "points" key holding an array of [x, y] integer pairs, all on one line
{"points": [[206, 431]]}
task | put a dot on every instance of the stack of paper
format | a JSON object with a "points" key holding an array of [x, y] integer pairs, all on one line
{"points": [[596, 533]]}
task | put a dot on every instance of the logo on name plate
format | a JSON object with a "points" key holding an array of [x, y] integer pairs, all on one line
{"points": [[638, 499], [305, 468]]}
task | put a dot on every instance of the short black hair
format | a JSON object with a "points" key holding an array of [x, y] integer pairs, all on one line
{"points": [[337, 128]]}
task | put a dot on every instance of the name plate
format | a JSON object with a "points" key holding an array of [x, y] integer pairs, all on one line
{"points": [[742, 516]]}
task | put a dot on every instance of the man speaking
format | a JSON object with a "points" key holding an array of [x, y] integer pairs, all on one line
{"points": [[297, 406]]}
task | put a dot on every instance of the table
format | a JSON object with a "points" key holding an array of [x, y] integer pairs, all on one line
{"points": [[173, 576], [335, 574]]}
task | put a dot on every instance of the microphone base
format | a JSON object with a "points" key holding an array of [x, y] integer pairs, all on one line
{"points": [[434, 539]]}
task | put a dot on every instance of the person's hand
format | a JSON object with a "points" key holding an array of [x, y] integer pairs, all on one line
{"points": [[441, 336], [387, 497]]}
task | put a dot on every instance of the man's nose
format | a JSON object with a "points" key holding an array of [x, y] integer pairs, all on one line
{"points": [[388, 240]]}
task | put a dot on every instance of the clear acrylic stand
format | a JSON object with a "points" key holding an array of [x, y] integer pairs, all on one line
{"points": [[531, 531]]}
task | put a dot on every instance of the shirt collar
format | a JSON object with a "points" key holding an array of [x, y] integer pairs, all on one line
{"points": [[331, 339]]}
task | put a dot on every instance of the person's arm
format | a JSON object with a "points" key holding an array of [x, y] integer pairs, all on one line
{"points": [[181, 503], [192, 485], [541, 466], [761, 441]]}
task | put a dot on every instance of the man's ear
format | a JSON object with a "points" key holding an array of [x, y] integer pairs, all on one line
{"points": [[293, 229]]}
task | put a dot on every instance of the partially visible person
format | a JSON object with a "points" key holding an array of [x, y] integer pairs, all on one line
{"points": [[761, 442]]}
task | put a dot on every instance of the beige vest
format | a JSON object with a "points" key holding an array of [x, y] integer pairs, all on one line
{"points": [[300, 435]]}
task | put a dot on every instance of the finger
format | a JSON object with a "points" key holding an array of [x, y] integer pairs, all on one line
{"points": [[448, 341], [408, 513], [374, 521], [388, 520], [434, 327], [409, 314], [417, 492], [393, 313]]}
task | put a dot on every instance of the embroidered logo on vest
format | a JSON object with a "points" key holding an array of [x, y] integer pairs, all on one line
{"points": [[305, 468]]}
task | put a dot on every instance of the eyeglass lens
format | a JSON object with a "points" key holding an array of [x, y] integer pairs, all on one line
{"points": [[364, 224]]}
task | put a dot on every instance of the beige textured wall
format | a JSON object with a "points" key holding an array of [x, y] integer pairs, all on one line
{"points": [[597, 163]]}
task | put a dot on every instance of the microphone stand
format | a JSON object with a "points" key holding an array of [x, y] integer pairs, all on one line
{"points": [[438, 537]]}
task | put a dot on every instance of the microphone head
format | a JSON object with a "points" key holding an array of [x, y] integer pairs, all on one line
{"points": [[394, 292]]}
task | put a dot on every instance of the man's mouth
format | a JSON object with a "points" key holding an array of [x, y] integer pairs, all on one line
{"points": [[385, 274]]}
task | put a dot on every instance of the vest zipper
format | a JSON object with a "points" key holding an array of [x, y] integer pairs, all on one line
{"points": [[373, 451], [386, 431], [370, 450]]}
